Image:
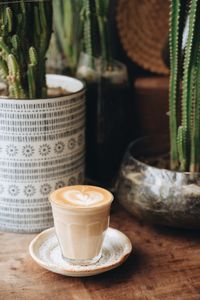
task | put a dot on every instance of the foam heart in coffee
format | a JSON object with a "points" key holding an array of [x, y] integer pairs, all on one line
{"points": [[82, 196]]}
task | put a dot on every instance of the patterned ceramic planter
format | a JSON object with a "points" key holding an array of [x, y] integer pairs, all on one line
{"points": [[41, 149]]}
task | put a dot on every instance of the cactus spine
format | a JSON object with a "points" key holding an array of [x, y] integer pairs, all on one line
{"points": [[25, 32], [185, 138]]}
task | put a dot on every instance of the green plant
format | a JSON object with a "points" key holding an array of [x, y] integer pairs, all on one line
{"points": [[68, 30], [185, 134], [96, 41], [102, 11], [25, 31], [87, 27]]}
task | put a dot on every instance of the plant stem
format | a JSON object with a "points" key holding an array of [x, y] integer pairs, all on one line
{"points": [[175, 50]]}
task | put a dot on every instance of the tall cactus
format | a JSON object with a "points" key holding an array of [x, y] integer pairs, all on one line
{"points": [[102, 12], [25, 32], [68, 30], [88, 27], [95, 28], [82, 25], [175, 38], [185, 138]]}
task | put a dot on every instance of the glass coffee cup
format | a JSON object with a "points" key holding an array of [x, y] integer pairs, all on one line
{"points": [[81, 218]]}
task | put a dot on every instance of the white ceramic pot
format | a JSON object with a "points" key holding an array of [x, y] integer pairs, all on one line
{"points": [[41, 149]]}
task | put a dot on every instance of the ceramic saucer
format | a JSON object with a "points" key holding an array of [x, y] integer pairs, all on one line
{"points": [[45, 250]]}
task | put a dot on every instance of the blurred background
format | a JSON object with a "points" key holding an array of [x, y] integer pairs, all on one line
{"points": [[120, 49]]}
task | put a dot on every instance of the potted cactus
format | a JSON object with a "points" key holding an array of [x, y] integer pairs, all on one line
{"points": [[161, 185], [107, 101], [41, 122], [22, 57]]}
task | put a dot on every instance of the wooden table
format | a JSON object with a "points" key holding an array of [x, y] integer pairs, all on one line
{"points": [[165, 265]]}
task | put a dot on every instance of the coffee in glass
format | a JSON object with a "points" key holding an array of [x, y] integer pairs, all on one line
{"points": [[81, 218]]}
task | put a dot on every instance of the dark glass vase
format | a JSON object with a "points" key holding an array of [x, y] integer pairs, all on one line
{"points": [[107, 121]]}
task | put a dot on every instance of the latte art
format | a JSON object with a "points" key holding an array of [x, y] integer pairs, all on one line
{"points": [[83, 198], [81, 218]]}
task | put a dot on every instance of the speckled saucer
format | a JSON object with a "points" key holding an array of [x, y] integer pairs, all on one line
{"points": [[45, 250]]}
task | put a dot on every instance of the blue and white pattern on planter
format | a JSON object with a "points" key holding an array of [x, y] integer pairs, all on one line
{"points": [[71, 144], [29, 190], [59, 185], [59, 147], [11, 150], [42, 149], [28, 150]]}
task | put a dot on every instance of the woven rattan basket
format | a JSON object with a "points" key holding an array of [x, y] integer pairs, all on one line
{"points": [[143, 30]]}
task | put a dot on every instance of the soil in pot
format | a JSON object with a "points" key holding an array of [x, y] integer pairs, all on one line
{"points": [[51, 92]]}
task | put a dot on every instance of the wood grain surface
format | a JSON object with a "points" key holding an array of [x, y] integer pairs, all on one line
{"points": [[165, 265]]}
